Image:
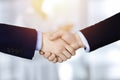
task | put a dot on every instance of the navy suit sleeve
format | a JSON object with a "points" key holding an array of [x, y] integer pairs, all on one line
{"points": [[103, 33], [17, 41]]}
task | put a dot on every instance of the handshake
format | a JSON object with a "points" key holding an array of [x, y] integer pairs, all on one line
{"points": [[60, 45]]}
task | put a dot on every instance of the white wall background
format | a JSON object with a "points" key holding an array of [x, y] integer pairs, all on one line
{"points": [[102, 64]]}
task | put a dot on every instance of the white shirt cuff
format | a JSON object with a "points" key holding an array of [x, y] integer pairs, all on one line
{"points": [[84, 40], [39, 40]]}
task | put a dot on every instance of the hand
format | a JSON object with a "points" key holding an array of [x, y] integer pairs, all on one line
{"points": [[49, 55], [70, 38], [56, 48]]}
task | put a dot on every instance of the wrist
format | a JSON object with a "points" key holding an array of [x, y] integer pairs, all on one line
{"points": [[79, 41], [84, 41], [44, 41], [42, 46], [39, 41]]}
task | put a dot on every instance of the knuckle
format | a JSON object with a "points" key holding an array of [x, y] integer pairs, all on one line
{"points": [[60, 61], [69, 57], [50, 58], [54, 61], [72, 51], [64, 59], [45, 56]]}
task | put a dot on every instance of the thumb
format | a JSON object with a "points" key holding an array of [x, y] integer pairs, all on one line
{"points": [[41, 52], [56, 35]]}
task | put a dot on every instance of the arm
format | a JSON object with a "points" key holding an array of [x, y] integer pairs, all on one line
{"points": [[98, 35], [103, 33], [22, 42], [17, 41]]}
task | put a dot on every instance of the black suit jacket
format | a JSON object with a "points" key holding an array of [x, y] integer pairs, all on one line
{"points": [[103, 33], [17, 41]]}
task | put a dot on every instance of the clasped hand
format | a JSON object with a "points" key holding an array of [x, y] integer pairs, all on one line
{"points": [[60, 45]]}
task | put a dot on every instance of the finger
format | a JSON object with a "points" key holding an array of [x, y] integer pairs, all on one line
{"points": [[52, 57], [69, 37], [67, 54], [70, 50], [63, 57], [55, 60], [56, 35], [47, 54], [60, 60], [41, 52], [75, 46]]}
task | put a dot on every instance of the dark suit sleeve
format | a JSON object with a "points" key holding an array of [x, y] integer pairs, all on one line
{"points": [[17, 41], [103, 33]]}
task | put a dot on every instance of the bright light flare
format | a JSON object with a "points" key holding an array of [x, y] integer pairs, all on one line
{"points": [[50, 6]]}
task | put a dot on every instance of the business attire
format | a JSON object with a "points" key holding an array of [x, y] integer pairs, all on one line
{"points": [[22, 42], [103, 33], [18, 41]]}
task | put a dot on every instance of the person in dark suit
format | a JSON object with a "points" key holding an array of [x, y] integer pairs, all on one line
{"points": [[103, 33], [23, 42], [93, 37], [17, 41]]}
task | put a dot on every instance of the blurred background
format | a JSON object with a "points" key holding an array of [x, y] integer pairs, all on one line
{"points": [[48, 15]]}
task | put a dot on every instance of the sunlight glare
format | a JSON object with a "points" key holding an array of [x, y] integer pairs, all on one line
{"points": [[49, 6]]}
